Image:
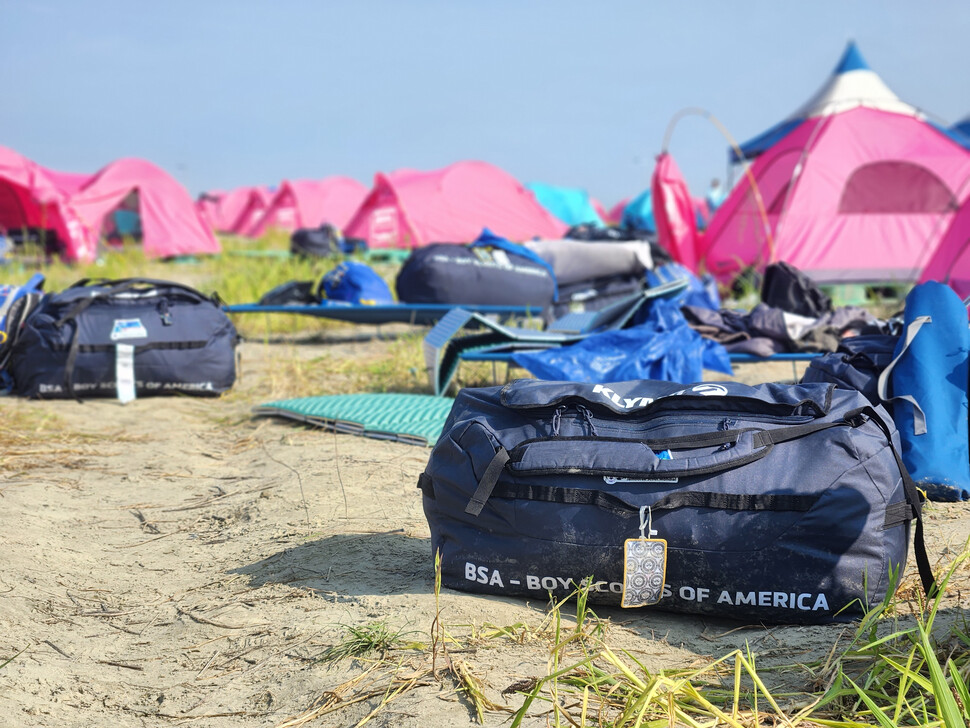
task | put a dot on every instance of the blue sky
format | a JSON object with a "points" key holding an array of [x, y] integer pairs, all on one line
{"points": [[250, 92]]}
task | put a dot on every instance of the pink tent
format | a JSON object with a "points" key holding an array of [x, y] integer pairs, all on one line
{"points": [[615, 215], [68, 182], [407, 209], [309, 204], [674, 212], [600, 210], [169, 221], [951, 262], [207, 205], [238, 209], [29, 197], [856, 186]]}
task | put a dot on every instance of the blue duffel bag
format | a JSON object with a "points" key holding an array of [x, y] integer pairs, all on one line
{"points": [[776, 503], [124, 338], [926, 385]]}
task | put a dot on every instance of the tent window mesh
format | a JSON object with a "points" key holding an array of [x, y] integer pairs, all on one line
{"points": [[895, 187]]}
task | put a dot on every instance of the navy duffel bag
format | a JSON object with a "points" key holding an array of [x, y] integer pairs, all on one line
{"points": [[489, 272], [124, 338], [777, 503]]}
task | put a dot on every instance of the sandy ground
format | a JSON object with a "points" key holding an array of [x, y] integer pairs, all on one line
{"points": [[176, 561]]}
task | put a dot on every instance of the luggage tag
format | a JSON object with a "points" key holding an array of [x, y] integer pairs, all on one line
{"points": [[125, 372], [644, 565]]}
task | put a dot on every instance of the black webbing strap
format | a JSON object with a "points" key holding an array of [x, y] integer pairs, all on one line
{"points": [[912, 497], [786, 434], [682, 499], [426, 485], [897, 514], [736, 501], [488, 481]]}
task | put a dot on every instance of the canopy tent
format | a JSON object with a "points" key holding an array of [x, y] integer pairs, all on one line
{"points": [[570, 205], [309, 204], [951, 262], [855, 186], [408, 208], [31, 198], [170, 223]]}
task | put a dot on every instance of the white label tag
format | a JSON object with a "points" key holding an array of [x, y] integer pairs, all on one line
{"points": [[502, 258], [125, 372], [128, 329], [644, 571]]}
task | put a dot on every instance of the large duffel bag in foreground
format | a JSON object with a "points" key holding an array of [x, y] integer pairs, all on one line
{"points": [[125, 338], [773, 503]]}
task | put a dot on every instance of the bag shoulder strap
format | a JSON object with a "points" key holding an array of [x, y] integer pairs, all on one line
{"points": [[919, 419]]}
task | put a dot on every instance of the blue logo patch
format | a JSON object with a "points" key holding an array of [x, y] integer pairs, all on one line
{"points": [[128, 329]]}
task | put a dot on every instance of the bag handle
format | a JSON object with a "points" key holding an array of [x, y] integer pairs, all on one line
{"points": [[119, 285]]}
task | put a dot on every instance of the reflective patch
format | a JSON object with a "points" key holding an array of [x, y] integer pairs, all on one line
{"points": [[128, 329], [644, 571]]}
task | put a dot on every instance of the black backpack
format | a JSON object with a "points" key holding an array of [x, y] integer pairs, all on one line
{"points": [[789, 289], [321, 242]]}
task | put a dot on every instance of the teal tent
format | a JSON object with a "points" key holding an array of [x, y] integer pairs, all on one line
{"points": [[572, 206]]}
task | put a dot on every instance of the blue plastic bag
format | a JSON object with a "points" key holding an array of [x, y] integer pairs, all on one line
{"points": [[664, 347], [356, 283]]}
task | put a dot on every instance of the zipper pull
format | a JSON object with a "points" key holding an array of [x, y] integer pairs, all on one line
{"points": [[164, 313], [557, 419], [584, 411]]}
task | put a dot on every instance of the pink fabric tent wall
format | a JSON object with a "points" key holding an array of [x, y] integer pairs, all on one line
{"points": [[951, 262], [600, 210], [31, 197], [674, 212], [310, 203], [240, 208], [408, 209], [855, 196], [170, 223], [615, 215], [207, 205]]}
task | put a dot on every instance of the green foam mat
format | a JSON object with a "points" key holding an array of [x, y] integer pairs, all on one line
{"points": [[416, 419]]}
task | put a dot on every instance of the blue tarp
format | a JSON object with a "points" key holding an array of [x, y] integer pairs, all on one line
{"points": [[572, 206], [663, 347], [700, 292]]}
